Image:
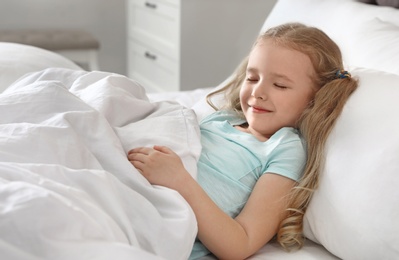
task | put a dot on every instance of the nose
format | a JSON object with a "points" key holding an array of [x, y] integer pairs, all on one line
{"points": [[259, 91]]}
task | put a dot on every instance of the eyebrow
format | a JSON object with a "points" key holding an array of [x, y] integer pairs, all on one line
{"points": [[249, 69], [277, 75], [283, 76]]}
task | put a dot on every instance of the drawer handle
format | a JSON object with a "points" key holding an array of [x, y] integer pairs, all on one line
{"points": [[150, 56], [151, 5]]}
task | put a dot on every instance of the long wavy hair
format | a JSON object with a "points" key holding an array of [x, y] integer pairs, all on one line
{"points": [[316, 121]]}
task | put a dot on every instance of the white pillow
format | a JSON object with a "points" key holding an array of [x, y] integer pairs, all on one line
{"points": [[354, 213], [364, 41], [195, 99], [17, 59], [375, 45]]}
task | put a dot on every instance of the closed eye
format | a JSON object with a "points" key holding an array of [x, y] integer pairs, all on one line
{"points": [[280, 86], [252, 79]]}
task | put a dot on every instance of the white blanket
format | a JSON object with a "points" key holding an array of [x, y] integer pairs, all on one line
{"points": [[67, 190]]}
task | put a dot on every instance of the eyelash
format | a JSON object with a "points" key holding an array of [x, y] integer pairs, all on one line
{"points": [[280, 86], [251, 79], [275, 84]]}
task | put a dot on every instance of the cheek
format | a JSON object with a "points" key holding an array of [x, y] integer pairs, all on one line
{"points": [[302, 105], [305, 98], [299, 106], [244, 96]]}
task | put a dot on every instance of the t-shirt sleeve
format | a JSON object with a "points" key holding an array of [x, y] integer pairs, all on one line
{"points": [[288, 160]]}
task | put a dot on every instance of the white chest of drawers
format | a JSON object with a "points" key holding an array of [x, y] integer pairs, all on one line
{"points": [[178, 45]]}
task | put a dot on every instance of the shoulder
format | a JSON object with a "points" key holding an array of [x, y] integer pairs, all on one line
{"points": [[289, 138], [288, 141], [287, 135], [289, 155]]}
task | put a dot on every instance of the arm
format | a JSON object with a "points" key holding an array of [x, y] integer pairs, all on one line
{"points": [[225, 237]]}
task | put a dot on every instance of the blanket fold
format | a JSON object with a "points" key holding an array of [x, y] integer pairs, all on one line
{"points": [[67, 190]]}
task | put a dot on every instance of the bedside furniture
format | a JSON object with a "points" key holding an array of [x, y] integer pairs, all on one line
{"points": [[182, 45]]}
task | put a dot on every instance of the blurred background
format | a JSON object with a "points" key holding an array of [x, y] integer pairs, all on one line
{"points": [[104, 19], [108, 22]]}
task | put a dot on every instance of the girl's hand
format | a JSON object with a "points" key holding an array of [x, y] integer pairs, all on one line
{"points": [[159, 165]]}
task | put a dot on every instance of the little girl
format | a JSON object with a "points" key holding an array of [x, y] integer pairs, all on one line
{"points": [[256, 175]]}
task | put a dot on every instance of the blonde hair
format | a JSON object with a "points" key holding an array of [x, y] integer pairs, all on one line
{"points": [[315, 123]]}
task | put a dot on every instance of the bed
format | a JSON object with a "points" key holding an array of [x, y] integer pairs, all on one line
{"points": [[68, 192]]}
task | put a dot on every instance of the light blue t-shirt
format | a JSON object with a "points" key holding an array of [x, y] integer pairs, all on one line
{"points": [[232, 161]]}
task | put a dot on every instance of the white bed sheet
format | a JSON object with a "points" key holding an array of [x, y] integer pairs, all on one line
{"points": [[273, 251], [80, 198]]}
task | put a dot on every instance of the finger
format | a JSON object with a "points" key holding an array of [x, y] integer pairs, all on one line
{"points": [[138, 165], [163, 149], [137, 157], [137, 150], [143, 150]]}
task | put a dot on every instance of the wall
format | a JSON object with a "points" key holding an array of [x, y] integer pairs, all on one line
{"points": [[103, 18], [219, 34]]}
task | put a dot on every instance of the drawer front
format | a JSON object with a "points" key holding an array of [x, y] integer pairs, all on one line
{"points": [[156, 23], [152, 67]]}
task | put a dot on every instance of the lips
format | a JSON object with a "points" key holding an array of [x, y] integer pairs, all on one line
{"points": [[258, 109]]}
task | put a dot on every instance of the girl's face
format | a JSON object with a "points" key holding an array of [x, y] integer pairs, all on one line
{"points": [[277, 88]]}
